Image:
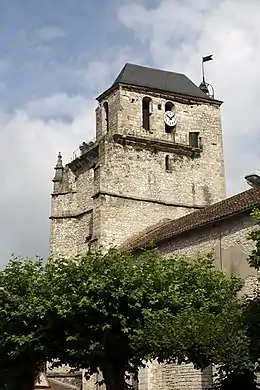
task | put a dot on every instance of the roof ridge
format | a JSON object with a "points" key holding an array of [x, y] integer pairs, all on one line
{"points": [[120, 75], [153, 68], [157, 80]]}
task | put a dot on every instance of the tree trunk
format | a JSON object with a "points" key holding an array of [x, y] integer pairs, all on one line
{"points": [[27, 381], [241, 381], [114, 377]]}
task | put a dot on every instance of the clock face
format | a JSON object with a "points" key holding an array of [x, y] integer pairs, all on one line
{"points": [[169, 118]]}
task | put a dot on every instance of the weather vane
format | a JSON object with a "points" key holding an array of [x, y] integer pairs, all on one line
{"points": [[204, 86]]}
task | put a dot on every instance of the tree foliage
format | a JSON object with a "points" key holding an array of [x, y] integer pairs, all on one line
{"points": [[117, 312], [254, 258], [112, 312], [23, 345], [252, 304], [245, 376]]}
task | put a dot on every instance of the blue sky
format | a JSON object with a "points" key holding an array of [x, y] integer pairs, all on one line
{"points": [[44, 45], [56, 56]]}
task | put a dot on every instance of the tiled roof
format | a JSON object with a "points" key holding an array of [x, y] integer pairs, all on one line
{"points": [[157, 79], [243, 201]]}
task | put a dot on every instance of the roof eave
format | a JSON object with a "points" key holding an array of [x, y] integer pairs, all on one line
{"points": [[201, 225], [198, 98], [163, 236], [170, 236], [107, 92]]}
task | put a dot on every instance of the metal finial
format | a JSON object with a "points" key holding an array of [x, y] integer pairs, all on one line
{"points": [[58, 170], [59, 161], [203, 87]]}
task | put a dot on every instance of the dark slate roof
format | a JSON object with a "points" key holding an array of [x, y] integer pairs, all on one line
{"points": [[244, 201], [157, 79]]}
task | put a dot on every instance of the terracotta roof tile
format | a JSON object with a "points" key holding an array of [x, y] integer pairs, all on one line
{"points": [[243, 201]]}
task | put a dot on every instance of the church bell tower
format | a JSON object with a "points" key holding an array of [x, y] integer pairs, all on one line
{"points": [[157, 155]]}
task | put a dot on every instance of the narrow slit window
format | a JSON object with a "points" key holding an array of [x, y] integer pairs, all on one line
{"points": [[106, 115], [194, 139], [167, 163], [146, 108]]}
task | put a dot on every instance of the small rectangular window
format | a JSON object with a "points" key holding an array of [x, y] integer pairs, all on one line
{"points": [[194, 139]]}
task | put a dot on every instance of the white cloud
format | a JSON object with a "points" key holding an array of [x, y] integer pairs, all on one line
{"points": [[178, 33], [106, 74], [28, 151], [30, 141], [59, 105]]}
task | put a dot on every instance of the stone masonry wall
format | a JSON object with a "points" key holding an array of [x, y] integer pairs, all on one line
{"points": [[198, 117], [228, 241], [132, 189], [140, 173], [174, 377], [122, 218], [72, 213], [137, 173], [114, 108]]}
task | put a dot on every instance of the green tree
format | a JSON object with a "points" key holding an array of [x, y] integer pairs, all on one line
{"points": [[112, 312], [252, 304], [24, 335], [254, 235], [117, 312], [245, 376]]}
